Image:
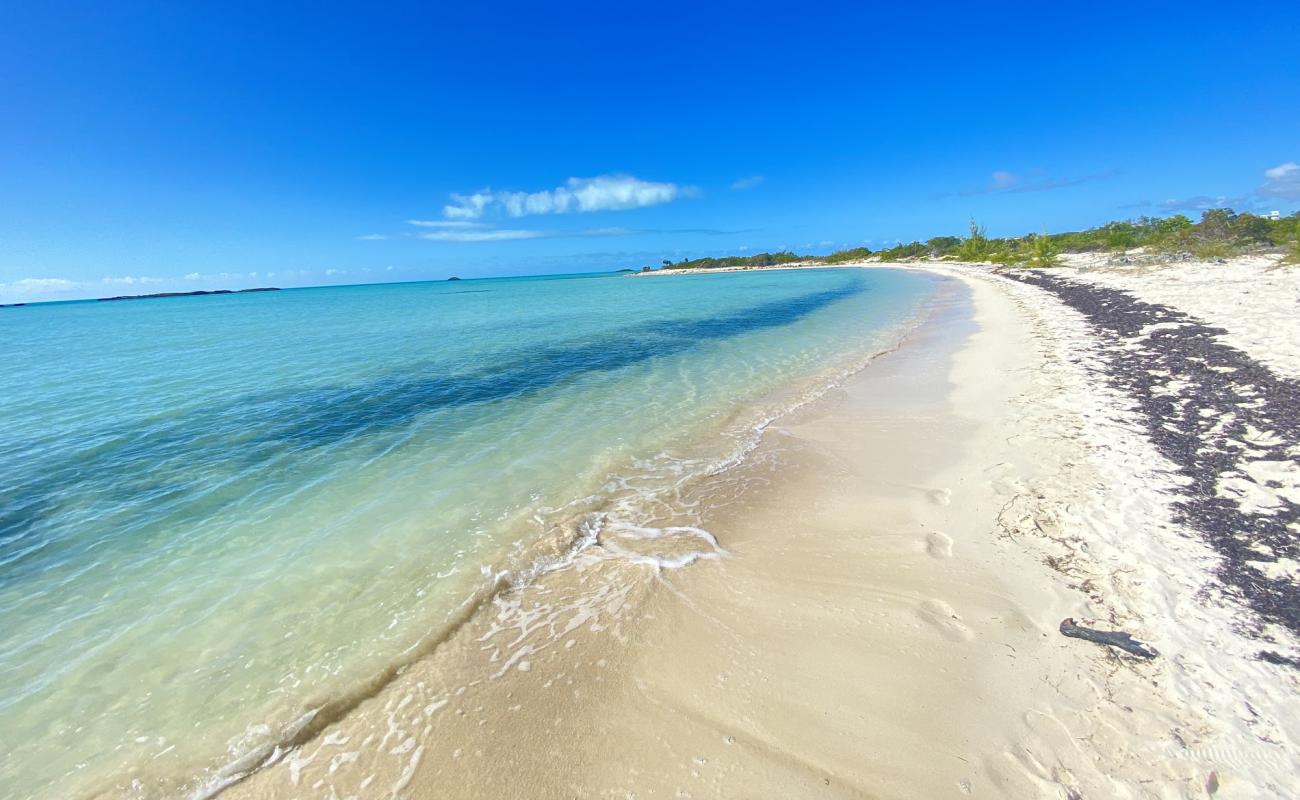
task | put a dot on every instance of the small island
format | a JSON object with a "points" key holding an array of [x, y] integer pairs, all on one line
{"points": [[186, 294]]}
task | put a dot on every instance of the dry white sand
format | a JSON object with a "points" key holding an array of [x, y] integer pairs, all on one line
{"points": [[1256, 304], [1253, 298], [1109, 531], [900, 555]]}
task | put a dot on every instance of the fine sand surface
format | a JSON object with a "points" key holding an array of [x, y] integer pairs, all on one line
{"points": [[1255, 301], [879, 617]]}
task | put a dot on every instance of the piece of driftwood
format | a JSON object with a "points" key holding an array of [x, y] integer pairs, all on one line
{"points": [[1118, 639]]}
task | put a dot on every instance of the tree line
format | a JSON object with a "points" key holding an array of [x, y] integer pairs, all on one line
{"points": [[1220, 233]]}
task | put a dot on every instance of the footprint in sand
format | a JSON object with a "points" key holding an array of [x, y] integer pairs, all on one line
{"points": [[941, 616], [938, 545], [940, 497]]}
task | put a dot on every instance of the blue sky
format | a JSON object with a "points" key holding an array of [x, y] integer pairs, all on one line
{"points": [[153, 147]]}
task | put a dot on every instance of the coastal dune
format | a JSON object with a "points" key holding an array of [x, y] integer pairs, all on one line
{"points": [[866, 606]]}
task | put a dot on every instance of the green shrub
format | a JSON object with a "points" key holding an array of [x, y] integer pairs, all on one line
{"points": [[1042, 251], [758, 260], [844, 256], [942, 246], [1292, 253], [1211, 248], [1221, 233], [976, 246]]}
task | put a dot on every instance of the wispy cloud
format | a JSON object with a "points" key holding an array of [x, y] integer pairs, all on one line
{"points": [[36, 289], [240, 276], [1282, 181], [576, 196], [506, 234], [444, 223], [488, 235], [746, 183], [652, 232], [1005, 182], [463, 218], [1002, 181], [372, 237], [130, 280], [1203, 203], [28, 287], [469, 206]]}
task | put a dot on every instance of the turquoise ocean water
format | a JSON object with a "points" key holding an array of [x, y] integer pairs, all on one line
{"points": [[219, 515]]}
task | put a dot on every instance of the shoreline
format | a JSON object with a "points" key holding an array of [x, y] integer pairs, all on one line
{"points": [[625, 580], [883, 621], [774, 267]]}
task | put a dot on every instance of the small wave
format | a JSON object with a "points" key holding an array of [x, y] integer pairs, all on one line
{"points": [[644, 516]]}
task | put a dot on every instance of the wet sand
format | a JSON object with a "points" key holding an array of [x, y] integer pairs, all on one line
{"points": [[898, 556]]}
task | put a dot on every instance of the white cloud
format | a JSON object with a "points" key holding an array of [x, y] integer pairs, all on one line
{"points": [[1282, 170], [596, 232], [490, 234], [1203, 203], [372, 237], [467, 206], [578, 195], [1282, 181], [444, 223], [29, 287], [129, 280], [747, 183], [1002, 180], [225, 276], [333, 272], [497, 235]]}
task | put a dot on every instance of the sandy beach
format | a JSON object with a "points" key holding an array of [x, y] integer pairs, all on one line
{"points": [[949, 449], [880, 616]]}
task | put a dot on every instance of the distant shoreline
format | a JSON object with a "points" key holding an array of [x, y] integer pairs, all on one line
{"points": [[184, 294], [791, 265]]}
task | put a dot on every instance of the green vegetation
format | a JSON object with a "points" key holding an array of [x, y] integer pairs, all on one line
{"points": [[759, 260], [1221, 233], [977, 246], [1042, 251], [1292, 253], [901, 252], [845, 256]]}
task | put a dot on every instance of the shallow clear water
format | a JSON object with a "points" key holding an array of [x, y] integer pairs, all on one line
{"points": [[222, 516]]}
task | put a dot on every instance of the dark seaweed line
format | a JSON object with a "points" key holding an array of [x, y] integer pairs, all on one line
{"points": [[1203, 447]]}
